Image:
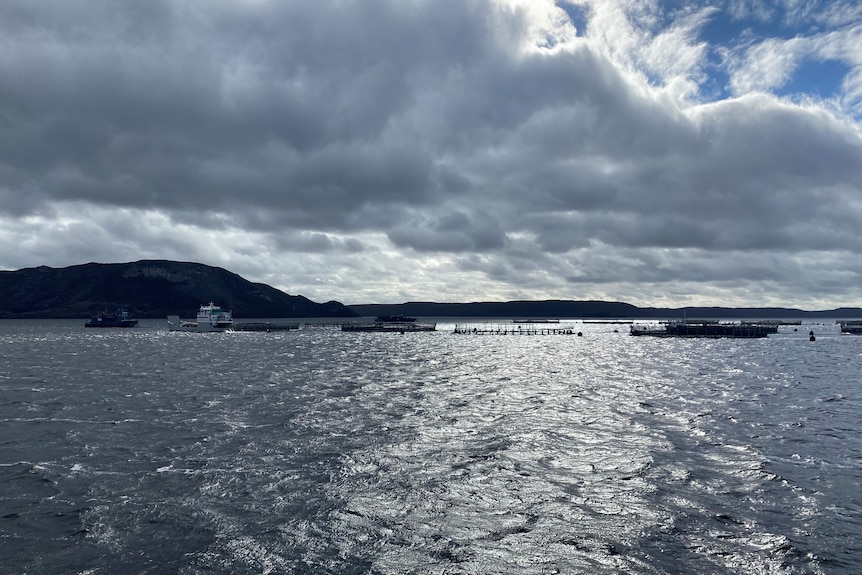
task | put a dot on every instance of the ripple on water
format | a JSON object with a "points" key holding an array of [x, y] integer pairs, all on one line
{"points": [[317, 451]]}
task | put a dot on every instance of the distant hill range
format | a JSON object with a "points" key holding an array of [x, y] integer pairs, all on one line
{"points": [[148, 289], [592, 310], [158, 288]]}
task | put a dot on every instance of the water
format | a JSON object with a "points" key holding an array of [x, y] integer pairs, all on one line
{"points": [[317, 451]]}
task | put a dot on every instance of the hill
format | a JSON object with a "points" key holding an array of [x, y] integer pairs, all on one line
{"points": [[148, 289], [591, 310]]}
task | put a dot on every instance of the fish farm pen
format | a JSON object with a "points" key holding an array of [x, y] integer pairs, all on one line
{"points": [[515, 329], [854, 326], [705, 329]]}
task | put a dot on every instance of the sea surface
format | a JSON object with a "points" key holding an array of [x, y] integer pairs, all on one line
{"points": [[132, 451]]}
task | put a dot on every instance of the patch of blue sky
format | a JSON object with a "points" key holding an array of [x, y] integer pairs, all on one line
{"points": [[724, 30], [578, 16], [725, 33], [816, 78], [716, 87]]}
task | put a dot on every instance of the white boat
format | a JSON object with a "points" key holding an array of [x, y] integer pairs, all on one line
{"points": [[210, 318]]}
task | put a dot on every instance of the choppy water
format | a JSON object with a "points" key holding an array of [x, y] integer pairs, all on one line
{"points": [[317, 451]]}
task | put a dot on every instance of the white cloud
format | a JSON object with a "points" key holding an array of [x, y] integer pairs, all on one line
{"points": [[448, 150]]}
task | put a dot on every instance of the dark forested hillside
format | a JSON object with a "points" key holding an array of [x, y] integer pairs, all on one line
{"points": [[148, 289]]}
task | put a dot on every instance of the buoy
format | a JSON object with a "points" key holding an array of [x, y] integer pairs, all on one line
{"points": [[811, 336]]}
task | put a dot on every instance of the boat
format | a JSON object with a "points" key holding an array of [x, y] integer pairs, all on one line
{"points": [[119, 318], [708, 329], [391, 323], [210, 318]]}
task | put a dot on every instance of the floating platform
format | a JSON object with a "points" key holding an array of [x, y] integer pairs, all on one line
{"points": [[705, 329], [265, 326], [391, 324], [390, 327]]}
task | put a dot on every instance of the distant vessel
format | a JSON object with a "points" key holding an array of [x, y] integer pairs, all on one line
{"points": [[210, 318], [119, 318], [708, 329], [391, 323]]}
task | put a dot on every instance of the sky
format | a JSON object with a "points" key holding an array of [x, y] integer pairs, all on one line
{"points": [[661, 153]]}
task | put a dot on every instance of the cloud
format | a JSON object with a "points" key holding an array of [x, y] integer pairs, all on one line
{"points": [[387, 150]]}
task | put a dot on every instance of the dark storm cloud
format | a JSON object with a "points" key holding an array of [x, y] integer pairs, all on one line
{"points": [[450, 232], [304, 105]]}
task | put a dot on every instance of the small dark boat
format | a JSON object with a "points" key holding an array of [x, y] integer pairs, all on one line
{"points": [[119, 318]]}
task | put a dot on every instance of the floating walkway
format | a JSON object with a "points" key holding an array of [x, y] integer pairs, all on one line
{"points": [[539, 328]]}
